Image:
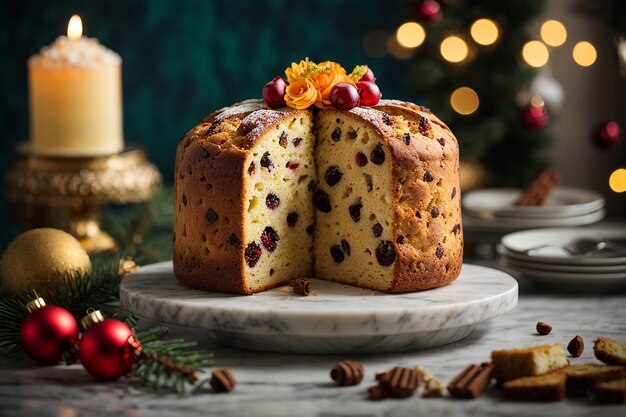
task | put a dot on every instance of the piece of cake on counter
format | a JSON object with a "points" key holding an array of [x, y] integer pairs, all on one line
{"points": [[515, 363]]}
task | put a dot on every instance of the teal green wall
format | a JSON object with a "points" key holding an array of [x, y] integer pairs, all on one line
{"points": [[182, 59]]}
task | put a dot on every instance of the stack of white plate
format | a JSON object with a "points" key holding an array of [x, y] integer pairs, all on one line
{"points": [[570, 259], [489, 214]]}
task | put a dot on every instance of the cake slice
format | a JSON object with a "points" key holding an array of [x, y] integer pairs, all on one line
{"points": [[583, 377], [610, 351], [520, 362], [612, 391], [549, 387]]}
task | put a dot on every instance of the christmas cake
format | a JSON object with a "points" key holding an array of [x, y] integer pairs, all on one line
{"points": [[363, 195]]}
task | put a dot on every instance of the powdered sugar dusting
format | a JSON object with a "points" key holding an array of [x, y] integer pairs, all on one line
{"points": [[243, 107], [254, 123], [79, 53]]}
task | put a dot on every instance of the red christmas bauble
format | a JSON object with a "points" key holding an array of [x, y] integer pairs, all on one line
{"points": [[607, 134], [428, 11], [344, 96], [534, 117], [47, 333], [274, 93], [106, 349], [369, 93]]}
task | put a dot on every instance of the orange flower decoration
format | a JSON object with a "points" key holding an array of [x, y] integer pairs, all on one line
{"points": [[300, 94], [297, 71], [324, 82]]}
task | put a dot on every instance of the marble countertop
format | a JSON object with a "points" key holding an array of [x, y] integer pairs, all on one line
{"points": [[286, 385]]}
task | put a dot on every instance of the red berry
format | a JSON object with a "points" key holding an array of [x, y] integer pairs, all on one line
{"points": [[274, 93], [344, 96], [361, 159], [368, 76], [369, 93]]}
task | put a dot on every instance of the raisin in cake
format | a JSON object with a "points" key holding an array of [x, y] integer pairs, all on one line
{"points": [[367, 197]]}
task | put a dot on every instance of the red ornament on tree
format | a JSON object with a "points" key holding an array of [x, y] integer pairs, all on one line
{"points": [[428, 11], [607, 134], [49, 333], [107, 349], [534, 117]]}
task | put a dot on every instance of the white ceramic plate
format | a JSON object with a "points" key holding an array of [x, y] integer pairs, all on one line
{"points": [[572, 281], [515, 262], [563, 202], [510, 224], [520, 242], [334, 319]]}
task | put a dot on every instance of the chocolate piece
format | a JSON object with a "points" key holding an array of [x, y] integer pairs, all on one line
{"points": [[346, 373], [400, 382], [301, 286], [222, 380], [471, 382], [428, 176], [377, 393], [576, 346], [543, 328]]}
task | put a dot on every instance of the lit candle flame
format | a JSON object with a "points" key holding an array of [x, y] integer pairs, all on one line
{"points": [[75, 28]]}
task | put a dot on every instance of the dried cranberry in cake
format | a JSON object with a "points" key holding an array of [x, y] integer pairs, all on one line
{"points": [[428, 176], [292, 219], [456, 229], [252, 254], [407, 138], [296, 142], [424, 126], [439, 251], [385, 253], [333, 175], [345, 246], [442, 141], [336, 135], [361, 159], [292, 165], [386, 119], [378, 155], [337, 253], [251, 168], [266, 162], [310, 229], [269, 238], [355, 211], [321, 201], [400, 240], [211, 216], [272, 201], [377, 229], [282, 140], [434, 212], [233, 240]]}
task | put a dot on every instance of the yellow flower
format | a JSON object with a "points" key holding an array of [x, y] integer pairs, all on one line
{"points": [[298, 71], [300, 94], [325, 80]]}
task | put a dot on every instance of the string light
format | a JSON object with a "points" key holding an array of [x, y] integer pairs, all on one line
{"points": [[584, 54], [464, 100], [553, 33], [410, 35], [617, 180], [535, 54], [484, 31], [453, 49]]}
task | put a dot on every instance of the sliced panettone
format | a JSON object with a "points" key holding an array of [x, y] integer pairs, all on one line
{"points": [[610, 351], [519, 362], [549, 387], [612, 391], [583, 377]]}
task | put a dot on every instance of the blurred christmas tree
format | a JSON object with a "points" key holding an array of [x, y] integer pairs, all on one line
{"points": [[469, 70]]}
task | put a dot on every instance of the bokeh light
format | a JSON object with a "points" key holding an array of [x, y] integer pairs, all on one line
{"points": [[398, 51], [484, 31], [410, 35], [584, 54], [617, 180], [454, 49], [464, 100], [553, 33], [535, 54]]}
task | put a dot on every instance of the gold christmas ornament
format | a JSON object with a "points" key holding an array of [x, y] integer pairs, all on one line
{"points": [[40, 260]]}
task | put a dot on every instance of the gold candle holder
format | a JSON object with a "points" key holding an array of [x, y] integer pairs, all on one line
{"points": [[70, 192]]}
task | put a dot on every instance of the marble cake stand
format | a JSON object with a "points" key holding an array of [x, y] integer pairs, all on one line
{"points": [[334, 319]]}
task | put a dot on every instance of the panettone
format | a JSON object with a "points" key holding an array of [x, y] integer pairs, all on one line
{"points": [[367, 197]]}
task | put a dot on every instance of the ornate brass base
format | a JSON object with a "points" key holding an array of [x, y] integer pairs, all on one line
{"points": [[69, 193]]}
